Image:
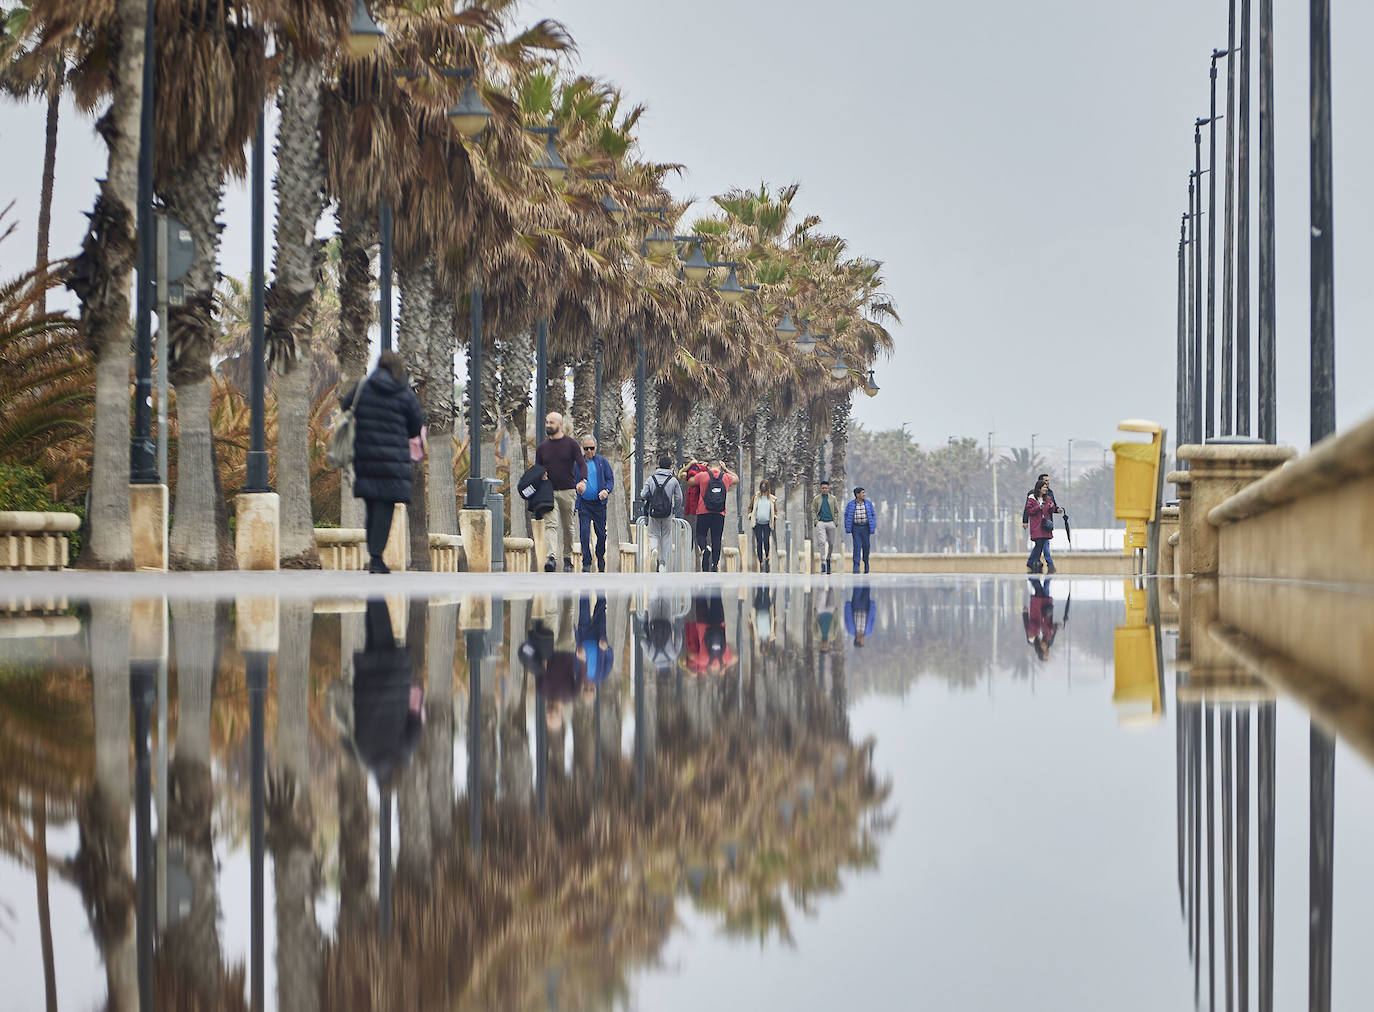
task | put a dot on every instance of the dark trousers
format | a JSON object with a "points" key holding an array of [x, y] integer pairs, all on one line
{"points": [[763, 534], [592, 515], [1038, 553], [710, 527], [378, 525], [861, 539]]}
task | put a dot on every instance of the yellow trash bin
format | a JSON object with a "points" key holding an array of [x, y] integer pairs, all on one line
{"points": [[1136, 692], [1137, 481]]}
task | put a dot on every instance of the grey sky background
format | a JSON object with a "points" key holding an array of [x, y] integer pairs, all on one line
{"points": [[1020, 169]]}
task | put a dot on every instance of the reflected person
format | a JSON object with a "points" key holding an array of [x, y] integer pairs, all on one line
{"points": [[388, 710], [1038, 618], [660, 634], [594, 654], [706, 645], [555, 670], [860, 615]]}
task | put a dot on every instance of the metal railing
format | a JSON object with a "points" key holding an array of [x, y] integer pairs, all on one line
{"points": [[678, 555]]}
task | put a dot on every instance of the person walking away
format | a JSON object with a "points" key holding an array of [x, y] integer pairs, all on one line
{"points": [[861, 521], [1039, 512], [591, 504], [662, 497], [764, 510], [562, 455], [386, 416], [692, 511], [823, 512], [715, 482]]}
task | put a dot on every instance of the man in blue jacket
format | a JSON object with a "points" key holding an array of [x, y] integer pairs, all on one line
{"points": [[591, 504], [860, 520]]}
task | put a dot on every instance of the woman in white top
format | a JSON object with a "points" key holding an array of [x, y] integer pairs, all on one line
{"points": [[763, 508]]}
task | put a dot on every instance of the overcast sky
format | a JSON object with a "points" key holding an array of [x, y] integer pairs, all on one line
{"points": [[1019, 168]]}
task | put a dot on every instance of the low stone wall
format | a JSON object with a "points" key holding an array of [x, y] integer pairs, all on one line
{"points": [[35, 540], [1311, 519], [1066, 563]]}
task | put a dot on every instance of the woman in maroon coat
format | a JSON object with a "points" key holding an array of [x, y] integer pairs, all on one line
{"points": [[1040, 509]]}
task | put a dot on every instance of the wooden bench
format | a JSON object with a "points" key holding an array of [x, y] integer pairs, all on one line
{"points": [[519, 554], [35, 540], [444, 552], [341, 547]]}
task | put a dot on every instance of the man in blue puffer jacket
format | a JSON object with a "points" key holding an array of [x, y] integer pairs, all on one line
{"points": [[860, 520], [591, 504]]}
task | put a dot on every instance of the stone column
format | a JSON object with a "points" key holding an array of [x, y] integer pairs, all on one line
{"points": [[148, 527], [475, 526], [1219, 470], [257, 530]]}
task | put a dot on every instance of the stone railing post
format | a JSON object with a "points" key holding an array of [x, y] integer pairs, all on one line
{"points": [[1219, 470]]}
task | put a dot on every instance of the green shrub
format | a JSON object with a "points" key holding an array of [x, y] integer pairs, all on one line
{"points": [[24, 489]]}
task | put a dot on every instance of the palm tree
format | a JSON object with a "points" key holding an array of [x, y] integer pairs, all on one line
{"points": [[100, 275]]}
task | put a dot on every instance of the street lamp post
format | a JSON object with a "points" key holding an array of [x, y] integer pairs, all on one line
{"points": [[1323, 408], [541, 370], [1243, 232], [476, 487], [1228, 253], [1212, 250], [255, 480], [1267, 301], [1181, 359], [142, 453]]}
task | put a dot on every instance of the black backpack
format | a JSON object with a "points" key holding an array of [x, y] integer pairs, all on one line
{"points": [[660, 502], [713, 638], [714, 496], [660, 633]]}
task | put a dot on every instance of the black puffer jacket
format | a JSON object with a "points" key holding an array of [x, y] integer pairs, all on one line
{"points": [[387, 416]]}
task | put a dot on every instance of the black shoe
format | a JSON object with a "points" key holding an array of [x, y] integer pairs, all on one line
{"points": [[567, 564], [550, 565], [377, 565], [586, 567], [601, 565], [1052, 570]]}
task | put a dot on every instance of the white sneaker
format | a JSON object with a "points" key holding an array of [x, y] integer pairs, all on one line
{"points": [[663, 567]]}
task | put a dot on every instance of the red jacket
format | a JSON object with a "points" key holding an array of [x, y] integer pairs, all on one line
{"points": [[1038, 514], [693, 505]]}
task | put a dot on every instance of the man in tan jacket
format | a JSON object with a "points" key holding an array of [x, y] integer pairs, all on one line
{"points": [[824, 511]]}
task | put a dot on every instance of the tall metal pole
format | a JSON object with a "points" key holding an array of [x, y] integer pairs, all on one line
{"points": [[1229, 252], [256, 476], [1211, 860], [1198, 356], [1321, 850], [1243, 859], [1243, 233], [1212, 253], [162, 334], [1181, 360], [1323, 408], [541, 373], [1268, 428], [386, 230], [142, 688], [476, 493], [1266, 745], [476, 647], [142, 457], [1194, 319], [255, 663], [641, 387], [598, 347]]}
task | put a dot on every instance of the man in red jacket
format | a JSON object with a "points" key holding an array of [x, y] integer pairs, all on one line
{"points": [[712, 482]]}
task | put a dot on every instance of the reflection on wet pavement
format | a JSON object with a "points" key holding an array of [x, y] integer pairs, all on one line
{"points": [[664, 799]]}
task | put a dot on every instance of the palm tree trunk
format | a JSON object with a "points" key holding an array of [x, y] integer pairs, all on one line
{"points": [[355, 314], [49, 168], [556, 394], [517, 371], [200, 524], [584, 395], [439, 415], [300, 950], [193, 942], [299, 186], [39, 811], [618, 504], [193, 542], [414, 334], [108, 254]]}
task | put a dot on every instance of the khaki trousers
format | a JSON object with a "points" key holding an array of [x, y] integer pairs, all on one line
{"points": [[559, 523]]}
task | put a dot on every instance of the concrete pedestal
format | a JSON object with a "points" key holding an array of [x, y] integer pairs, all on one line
{"points": [[148, 629], [475, 610], [1184, 482], [257, 532], [475, 528], [1219, 471], [537, 536], [1168, 526], [397, 553], [148, 526]]}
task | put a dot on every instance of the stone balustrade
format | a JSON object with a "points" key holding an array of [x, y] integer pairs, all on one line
{"points": [[519, 554], [35, 540], [341, 547], [444, 552]]}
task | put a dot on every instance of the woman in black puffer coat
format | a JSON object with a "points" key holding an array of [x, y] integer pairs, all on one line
{"points": [[387, 416]]}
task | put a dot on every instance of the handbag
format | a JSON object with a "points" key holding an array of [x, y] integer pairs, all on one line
{"points": [[338, 449], [419, 445]]}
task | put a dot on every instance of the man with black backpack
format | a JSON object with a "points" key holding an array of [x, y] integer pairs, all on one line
{"points": [[662, 496], [715, 482]]}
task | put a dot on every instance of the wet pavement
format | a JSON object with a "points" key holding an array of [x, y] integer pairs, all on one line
{"points": [[948, 793]]}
